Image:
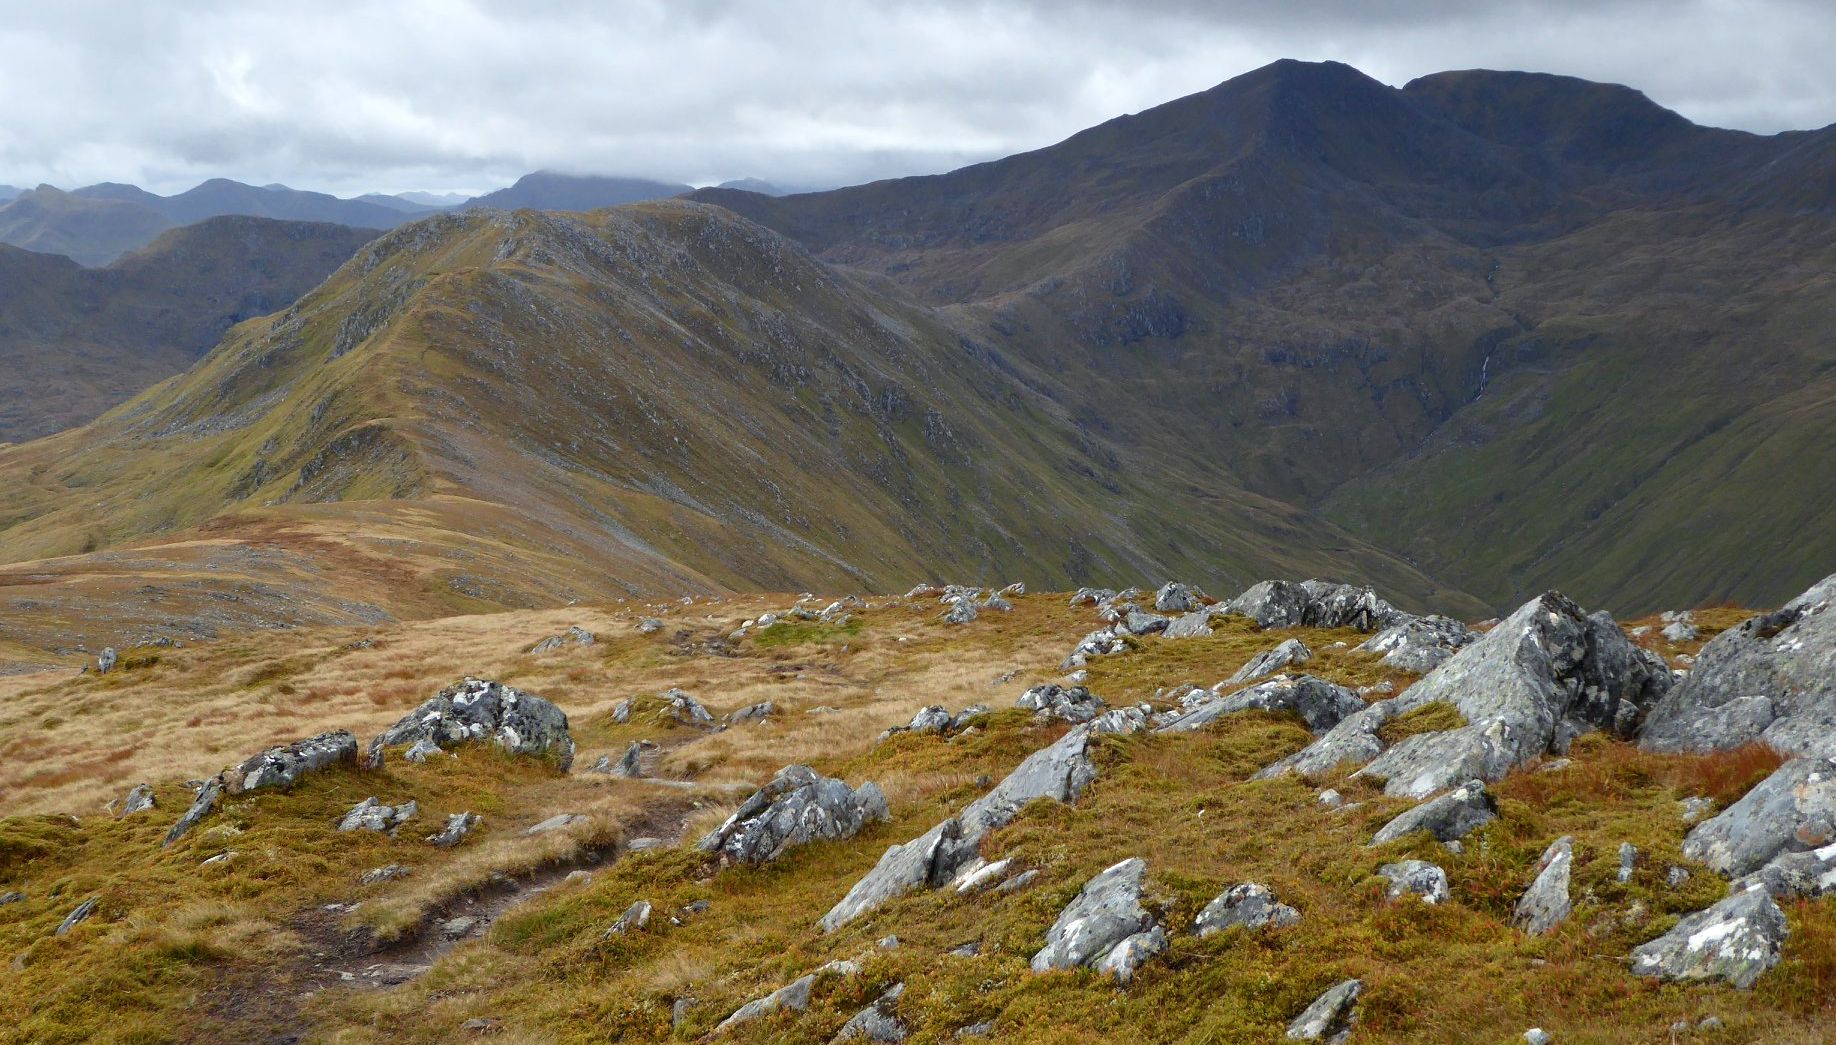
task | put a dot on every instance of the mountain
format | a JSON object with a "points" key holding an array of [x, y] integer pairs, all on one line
{"points": [[547, 190], [98, 223], [490, 408], [396, 203], [1525, 330], [92, 230], [7, 192], [763, 188], [434, 199], [76, 341]]}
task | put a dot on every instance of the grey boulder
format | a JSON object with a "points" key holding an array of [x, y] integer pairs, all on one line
{"points": [[1331, 1015], [1315, 604], [1771, 679], [1320, 704], [77, 916], [1174, 597], [751, 714], [283, 766], [1736, 940], [573, 636], [201, 806], [1448, 818], [1420, 644], [371, 815], [1250, 905], [477, 710], [1791, 811], [458, 825], [687, 710], [1287, 654], [794, 996], [877, 1022], [138, 800], [798, 806], [1105, 927], [1073, 704], [1417, 877], [1545, 904]]}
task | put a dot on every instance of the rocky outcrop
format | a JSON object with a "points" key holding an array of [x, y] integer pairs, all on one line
{"points": [[798, 806], [1196, 624], [371, 815], [877, 1022], [794, 996], [1073, 704], [1291, 652], [1320, 704], [1772, 679], [1420, 644], [1791, 811], [1059, 771], [1448, 818], [1680, 627], [1417, 877], [1314, 604], [936, 718], [1545, 904], [138, 800], [1736, 940], [1807, 875], [1532, 684], [1330, 1017], [1104, 642], [477, 710], [751, 714], [1105, 928], [1174, 597], [635, 918], [458, 825], [201, 806], [283, 766], [573, 636], [1250, 905], [77, 916]]}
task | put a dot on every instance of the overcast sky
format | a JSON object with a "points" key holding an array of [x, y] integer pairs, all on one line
{"points": [[468, 94]]}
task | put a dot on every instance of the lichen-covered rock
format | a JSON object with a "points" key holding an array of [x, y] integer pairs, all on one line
{"points": [[1104, 642], [1545, 904], [558, 822], [649, 626], [1736, 940], [201, 806], [962, 611], [138, 800], [1420, 644], [752, 714], [794, 996], [284, 765], [105, 662], [1320, 704], [1806, 875], [1074, 704], [1544, 675], [385, 873], [686, 710], [1060, 771], [877, 1022], [1448, 818], [1174, 597], [1680, 627], [1286, 655], [420, 751], [1106, 921], [1196, 624], [1092, 596], [1250, 905], [798, 806], [1330, 1017], [1418, 877], [477, 710], [1313, 603], [573, 636], [630, 766], [636, 917], [1137, 623], [458, 825], [1791, 811], [77, 916], [371, 815], [1772, 679]]}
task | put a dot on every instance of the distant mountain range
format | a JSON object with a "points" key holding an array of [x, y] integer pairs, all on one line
{"points": [[1478, 336], [76, 341]]}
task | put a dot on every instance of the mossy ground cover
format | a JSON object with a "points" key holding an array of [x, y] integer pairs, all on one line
{"points": [[169, 933]]}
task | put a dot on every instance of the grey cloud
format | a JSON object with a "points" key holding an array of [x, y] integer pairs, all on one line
{"points": [[368, 94]]}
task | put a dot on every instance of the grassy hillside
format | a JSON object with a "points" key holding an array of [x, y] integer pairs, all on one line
{"points": [[281, 939]]}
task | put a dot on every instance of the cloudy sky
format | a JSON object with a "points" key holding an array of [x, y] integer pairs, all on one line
{"points": [[467, 94]]}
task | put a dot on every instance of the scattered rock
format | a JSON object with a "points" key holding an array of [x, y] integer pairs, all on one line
{"points": [[1059, 771], [799, 805], [1289, 653], [282, 766], [371, 815], [476, 710], [1314, 603], [1075, 704], [453, 928], [1092, 596], [139, 800], [208, 796], [1196, 624], [1628, 862], [1736, 940], [1695, 807], [1771, 679], [1178, 598], [421, 750], [751, 714], [12, 897], [962, 611], [1805, 875], [1675, 876], [1104, 642], [558, 822], [649, 626], [1138, 623], [794, 996], [877, 1022], [1420, 644], [1418, 877], [106, 662], [457, 827], [631, 765], [1105, 927], [1320, 704], [687, 710], [933, 718], [1537, 1036], [573, 636], [1331, 799], [976, 1030], [1545, 904], [1331, 1015], [386, 873], [78, 916], [1791, 811], [636, 917], [1450, 817], [1250, 905], [678, 1012]]}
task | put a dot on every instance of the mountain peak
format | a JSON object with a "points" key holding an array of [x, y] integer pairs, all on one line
{"points": [[1579, 120]]}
